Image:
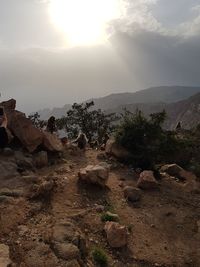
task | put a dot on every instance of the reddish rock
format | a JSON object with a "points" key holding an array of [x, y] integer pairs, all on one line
{"points": [[147, 180], [116, 234]]}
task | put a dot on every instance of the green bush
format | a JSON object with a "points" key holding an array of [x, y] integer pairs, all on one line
{"points": [[147, 141], [108, 217], [100, 257]]}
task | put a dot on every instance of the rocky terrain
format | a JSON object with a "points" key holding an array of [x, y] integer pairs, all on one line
{"points": [[56, 215], [62, 207]]}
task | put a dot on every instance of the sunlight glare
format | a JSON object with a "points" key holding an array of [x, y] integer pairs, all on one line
{"points": [[83, 22]]}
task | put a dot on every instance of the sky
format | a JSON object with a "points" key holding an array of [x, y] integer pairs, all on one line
{"points": [[54, 52]]}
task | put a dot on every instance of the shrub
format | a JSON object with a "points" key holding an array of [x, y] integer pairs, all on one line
{"points": [[108, 217], [145, 138], [100, 257]]}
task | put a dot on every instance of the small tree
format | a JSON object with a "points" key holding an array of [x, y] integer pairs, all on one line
{"points": [[94, 123], [35, 118], [145, 139]]}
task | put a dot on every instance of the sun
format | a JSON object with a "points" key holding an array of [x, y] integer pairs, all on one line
{"points": [[83, 22]]}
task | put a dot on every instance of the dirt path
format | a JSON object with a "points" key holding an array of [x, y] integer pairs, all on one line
{"points": [[164, 225]]}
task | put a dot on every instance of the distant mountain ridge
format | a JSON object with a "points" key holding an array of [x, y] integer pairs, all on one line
{"points": [[149, 100]]}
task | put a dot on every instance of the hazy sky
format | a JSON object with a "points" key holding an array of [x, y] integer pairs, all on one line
{"points": [[54, 52]]}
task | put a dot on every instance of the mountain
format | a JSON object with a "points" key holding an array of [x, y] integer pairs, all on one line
{"points": [[186, 111], [166, 94], [155, 97]]}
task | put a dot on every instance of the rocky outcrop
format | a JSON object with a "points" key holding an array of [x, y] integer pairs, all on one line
{"points": [[147, 180], [94, 175], [116, 234]]}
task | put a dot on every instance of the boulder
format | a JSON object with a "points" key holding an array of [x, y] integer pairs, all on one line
{"points": [[116, 234], [116, 150], [41, 159], [9, 105], [147, 180], [4, 256], [24, 130], [132, 194], [52, 143], [173, 170], [94, 175]]}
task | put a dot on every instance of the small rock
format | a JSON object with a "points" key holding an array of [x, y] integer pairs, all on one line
{"points": [[116, 234], [173, 170], [99, 208], [132, 194], [4, 256], [67, 251], [94, 175], [147, 180]]}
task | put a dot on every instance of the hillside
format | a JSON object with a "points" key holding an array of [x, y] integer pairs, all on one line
{"points": [[186, 111], [61, 224], [151, 95]]}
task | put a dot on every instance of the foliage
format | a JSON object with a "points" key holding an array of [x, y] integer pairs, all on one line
{"points": [[106, 217], [35, 118], [145, 138], [94, 123], [100, 257]]}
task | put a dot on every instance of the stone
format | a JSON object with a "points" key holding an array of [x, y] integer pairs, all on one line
{"points": [[11, 193], [116, 150], [4, 256], [22, 128], [73, 263], [41, 159], [117, 235], [132, 194], [173, 170], [147, 180], [44, 189], [94, 175], [52, 143], [66, 251], [8, 169]]}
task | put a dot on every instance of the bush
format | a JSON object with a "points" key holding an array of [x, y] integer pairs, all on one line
{"points": [[108, 217], [100, 257], [144, 137]]}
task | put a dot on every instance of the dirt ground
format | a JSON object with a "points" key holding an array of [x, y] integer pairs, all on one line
{"points": [[164, 227]]}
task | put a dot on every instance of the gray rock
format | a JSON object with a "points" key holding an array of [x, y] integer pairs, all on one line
{"points": [[8, 170], [173, 170]]}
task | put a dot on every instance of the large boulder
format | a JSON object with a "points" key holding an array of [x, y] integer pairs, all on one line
{"points": [[94, 175], [116, 234], [52, 143], [147, 180], [116, 150], [9, 105], [24, 130], [173, 170]]}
